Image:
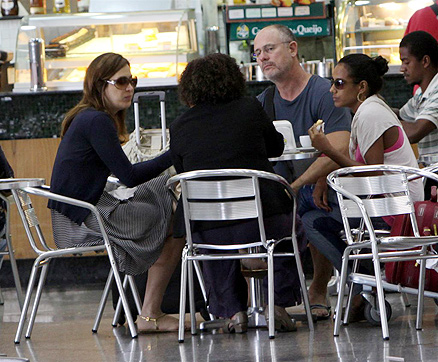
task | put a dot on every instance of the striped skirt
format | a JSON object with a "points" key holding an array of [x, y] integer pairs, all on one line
{"points": [[137, 227]]}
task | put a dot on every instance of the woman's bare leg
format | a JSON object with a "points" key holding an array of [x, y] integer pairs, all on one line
{"points": [[159, 275]]}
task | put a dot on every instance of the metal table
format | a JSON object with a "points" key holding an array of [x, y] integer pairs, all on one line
{"points": [[428, 159], [19, 183], [297, 155]]}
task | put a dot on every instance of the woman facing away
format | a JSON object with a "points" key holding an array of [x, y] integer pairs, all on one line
{"points": [[227, 130], [139, 227], [377, 137]]}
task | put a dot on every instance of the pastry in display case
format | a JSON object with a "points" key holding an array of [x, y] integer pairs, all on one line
{"points": [[374, 27], [158, 44]]}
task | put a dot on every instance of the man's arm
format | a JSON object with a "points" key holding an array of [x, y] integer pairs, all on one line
{"points": [[324, 165], [418, 129]]}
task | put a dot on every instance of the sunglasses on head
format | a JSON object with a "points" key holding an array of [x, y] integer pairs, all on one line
{"points": [[123, 82]]}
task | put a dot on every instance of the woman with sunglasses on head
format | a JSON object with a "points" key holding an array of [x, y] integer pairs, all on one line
{"points": [[377, 137], [138, 226]]}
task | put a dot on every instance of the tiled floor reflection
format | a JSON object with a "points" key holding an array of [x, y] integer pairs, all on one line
{"points": [[63, 333]]}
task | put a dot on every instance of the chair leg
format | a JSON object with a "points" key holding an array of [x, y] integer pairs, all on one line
{"points": [[182, 299], [26, 302], [271, 322], [405, 300], [129, 279], [380, 293], [122, 295], [302, 278], [201, 284], [119, 303], [36, 303], [135, 294], [350, 294], [103, 300], [12, 257], [420, 303], [348, 305], [191, 297], [340, 301]]}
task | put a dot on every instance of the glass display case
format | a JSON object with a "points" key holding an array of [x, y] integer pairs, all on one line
{"points": [[158, 44], [374, 27]]}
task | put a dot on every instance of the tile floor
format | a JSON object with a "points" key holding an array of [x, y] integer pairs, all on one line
{"points": [[63, 333]]}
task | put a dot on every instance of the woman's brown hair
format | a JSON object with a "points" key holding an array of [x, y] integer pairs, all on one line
{"points": [[99, 70]]}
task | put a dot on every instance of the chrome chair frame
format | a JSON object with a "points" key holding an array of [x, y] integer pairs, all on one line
{"points": [[393, 183], [204, 197], [21, 189], [10, 251]]}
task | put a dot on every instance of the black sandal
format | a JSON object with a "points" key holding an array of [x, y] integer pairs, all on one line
{"points": [[237, 324]]}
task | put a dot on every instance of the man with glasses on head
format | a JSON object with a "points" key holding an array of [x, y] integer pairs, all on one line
{"points": [[302, 99]]}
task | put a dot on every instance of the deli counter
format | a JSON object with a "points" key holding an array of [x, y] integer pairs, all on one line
{"points": [[158, 44], [374, 27]]}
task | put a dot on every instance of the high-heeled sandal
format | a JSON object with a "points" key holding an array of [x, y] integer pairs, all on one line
{"points": [[155, 324], [236, 324], [283, 322]]}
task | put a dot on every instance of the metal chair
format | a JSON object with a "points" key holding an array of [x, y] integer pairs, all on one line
{"points": [[6, 234], [21, 190], [390, 196], [216, 195]]}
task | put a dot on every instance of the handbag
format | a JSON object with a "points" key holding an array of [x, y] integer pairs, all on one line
{"points": [[150, 145], [406, 273]]}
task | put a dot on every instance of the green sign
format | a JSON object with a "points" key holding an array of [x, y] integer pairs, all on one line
{"points": [[305, 27]]}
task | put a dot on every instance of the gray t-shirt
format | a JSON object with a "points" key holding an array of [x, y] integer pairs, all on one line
{"points": [[315, 102]]}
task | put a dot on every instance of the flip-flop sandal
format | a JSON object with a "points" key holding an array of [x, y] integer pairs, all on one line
{"points": [[327, 308]]}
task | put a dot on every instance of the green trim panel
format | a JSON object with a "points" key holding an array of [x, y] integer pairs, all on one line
{"points": [[300, 28]]}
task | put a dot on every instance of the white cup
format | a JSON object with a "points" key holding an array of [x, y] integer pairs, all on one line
{"points": [[305, 141]]}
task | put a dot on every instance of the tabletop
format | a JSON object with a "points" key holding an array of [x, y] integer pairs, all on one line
{"points": [[428, 159], [18, 183], [297, 155]]}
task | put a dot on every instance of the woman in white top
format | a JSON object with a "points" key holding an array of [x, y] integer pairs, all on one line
{"points": [[377, 137]]}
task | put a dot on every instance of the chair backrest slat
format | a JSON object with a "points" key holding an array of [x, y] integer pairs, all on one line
{"points": [[387, 194], [224, 194], [220, 189], [379, 207], [220, 211], [372, 185]]}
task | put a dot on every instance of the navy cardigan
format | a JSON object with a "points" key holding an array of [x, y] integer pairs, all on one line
{"points": [[88, 153]]}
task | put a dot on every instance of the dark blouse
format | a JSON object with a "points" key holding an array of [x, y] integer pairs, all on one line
{"points": [[88, 153], [237, 134]]}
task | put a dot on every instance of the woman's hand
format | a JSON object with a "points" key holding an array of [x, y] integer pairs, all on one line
{"points": [[319, 139], [320, 194]]}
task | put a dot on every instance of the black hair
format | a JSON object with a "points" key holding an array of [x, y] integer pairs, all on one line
{"points": [[215, 78], [362, 67], [421, 43]]}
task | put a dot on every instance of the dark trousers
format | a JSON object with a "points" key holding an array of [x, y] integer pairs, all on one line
{"points": [[227, 289]]}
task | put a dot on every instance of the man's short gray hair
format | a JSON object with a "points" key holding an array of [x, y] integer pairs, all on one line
{"points": [[285, 33]]}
